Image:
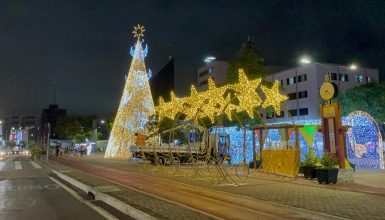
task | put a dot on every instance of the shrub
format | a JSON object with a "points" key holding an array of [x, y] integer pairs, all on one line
{"points": [[310, 160], [328, 162], [36, 152]]}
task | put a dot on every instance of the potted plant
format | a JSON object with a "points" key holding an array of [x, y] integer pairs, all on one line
{"points": [[309, 166], [328, 173]]}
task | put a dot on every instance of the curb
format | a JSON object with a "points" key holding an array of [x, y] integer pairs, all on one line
{"points": [[115, 203]]}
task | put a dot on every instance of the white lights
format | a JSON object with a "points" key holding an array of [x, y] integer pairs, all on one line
{"points": [[353, 66], [305, 60], [136, 105], [209, 59]]}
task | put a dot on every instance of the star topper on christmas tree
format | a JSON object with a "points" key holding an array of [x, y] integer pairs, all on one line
{"points": [[138, 31]]}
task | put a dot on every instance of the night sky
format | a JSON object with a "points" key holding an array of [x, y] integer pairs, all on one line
{"points": [[84, 45]]}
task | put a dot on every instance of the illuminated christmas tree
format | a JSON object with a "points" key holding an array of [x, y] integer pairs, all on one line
{"points": [[136, 105]]}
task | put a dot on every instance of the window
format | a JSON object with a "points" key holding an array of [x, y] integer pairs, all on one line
{"points": [[333, 76], [302, 78], [281, 115], [204, 73], [281, 82], [368, 79], [303, 111], [343, 77], [211, 69], [293, 112], [292, 96], [359, 79], [302, 94], [290, 81], [203, 83], [272, 115]]}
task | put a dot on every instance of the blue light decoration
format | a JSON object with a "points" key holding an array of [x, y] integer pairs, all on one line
{"points": [[236, 143], [143, 53], [149, 74], [363, 141]]}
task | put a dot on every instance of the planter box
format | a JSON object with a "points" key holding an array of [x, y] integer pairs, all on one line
{"points": [[327, 175], [309, 172], [256, 165]]}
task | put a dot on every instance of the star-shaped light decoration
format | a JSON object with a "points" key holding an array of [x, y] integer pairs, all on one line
{"points": [[162, 109], [273, 97], [194, 102], [210, 107], [138, 31], [169, 109], [245, 91], [226, 107]]}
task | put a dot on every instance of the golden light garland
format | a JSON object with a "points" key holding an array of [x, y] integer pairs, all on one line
{"points": [[211, 103]]}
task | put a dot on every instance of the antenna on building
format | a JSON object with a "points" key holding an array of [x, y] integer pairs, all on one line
{"points": [[249, 43], [54, 92]]}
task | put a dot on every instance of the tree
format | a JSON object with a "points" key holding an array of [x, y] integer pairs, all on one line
{"points": [[136, 105], [368, 97], [251, 63], [75, 128], [247, 60]]}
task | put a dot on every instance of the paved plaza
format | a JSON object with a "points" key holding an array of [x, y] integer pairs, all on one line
{"points": [[343, 200]]}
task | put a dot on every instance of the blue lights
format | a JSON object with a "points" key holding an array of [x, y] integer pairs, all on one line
{"points": [[363, 141], [149, 74]]}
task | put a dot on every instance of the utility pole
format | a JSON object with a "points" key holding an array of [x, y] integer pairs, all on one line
{"points": [[49, 133]]}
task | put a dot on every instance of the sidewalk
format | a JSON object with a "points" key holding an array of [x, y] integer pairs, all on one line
{"points": [[157, 208], [296, 193]]}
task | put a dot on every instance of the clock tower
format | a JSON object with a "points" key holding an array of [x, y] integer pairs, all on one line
{"points": [[332, 130]]}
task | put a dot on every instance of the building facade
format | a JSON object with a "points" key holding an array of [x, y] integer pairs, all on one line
{"points": [[51, 116], [162, 83], [301, 84], [217, 70]]}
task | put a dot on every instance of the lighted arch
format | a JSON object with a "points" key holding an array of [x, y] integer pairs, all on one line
{"points": [[364, 141]]}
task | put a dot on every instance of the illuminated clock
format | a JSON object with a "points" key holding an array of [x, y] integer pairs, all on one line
{"points": [[328, 90]]}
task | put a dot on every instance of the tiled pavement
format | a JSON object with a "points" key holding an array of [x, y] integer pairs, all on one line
{"points": [[354, 205], [155, 207]]}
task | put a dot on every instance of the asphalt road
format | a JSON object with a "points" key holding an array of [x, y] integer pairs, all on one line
{"points": [[27, 192]]}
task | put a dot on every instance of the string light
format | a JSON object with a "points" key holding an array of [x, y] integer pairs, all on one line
{"points": [[211, 103], [136, 104], [138, 31], [245, 91], [273, 97]]}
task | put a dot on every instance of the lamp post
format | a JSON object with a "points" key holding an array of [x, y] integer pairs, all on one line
{"points": [[95, 124]]}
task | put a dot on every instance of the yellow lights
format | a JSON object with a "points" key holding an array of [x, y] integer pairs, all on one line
{"points": [[136, 105], [213, 102], [353, 66], [246, 93], [138, 31], [273, 97], [226, 107]]}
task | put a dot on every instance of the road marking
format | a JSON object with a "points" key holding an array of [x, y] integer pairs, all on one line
{"points": [[15, 188], [99, 210], [18, 165], [35, 165]]}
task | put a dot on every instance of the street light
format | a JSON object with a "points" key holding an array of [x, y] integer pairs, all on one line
{"points": [[102, 121], [353, 66]]}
